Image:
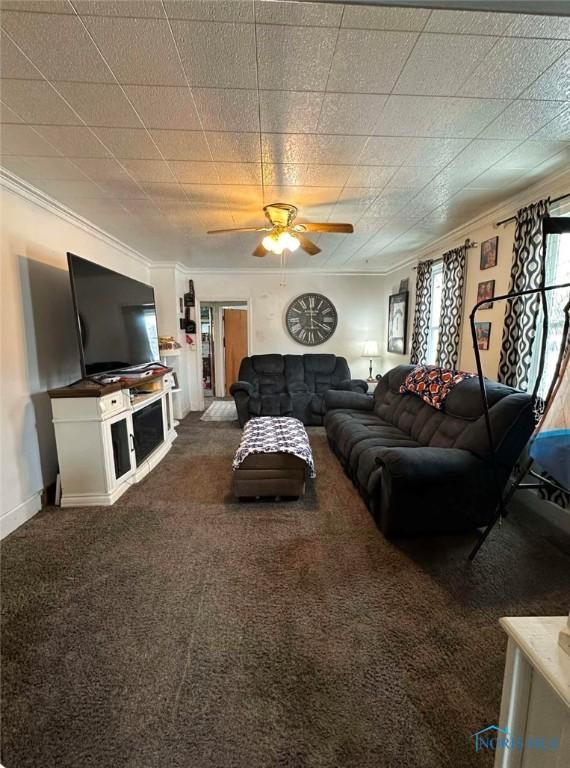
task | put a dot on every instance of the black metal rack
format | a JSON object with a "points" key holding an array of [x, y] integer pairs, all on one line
{"points": [[551, 225]]}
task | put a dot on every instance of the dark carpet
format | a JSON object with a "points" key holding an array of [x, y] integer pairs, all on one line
{"points": [[182, 629]]}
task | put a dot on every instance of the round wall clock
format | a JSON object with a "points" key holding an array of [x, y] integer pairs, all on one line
{"points": [[311, 319]]}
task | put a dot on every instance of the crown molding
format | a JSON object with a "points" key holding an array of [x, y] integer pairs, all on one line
{"points": [[276, 272], [34, 195]]}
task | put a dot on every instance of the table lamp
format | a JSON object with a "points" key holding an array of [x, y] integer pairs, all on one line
{"points": [[370, 351]]}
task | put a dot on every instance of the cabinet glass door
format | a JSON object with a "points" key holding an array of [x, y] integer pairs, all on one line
{"points": [[120, 441]]}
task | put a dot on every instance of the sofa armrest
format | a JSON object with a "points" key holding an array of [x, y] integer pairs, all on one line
{"points": [[418, 466], [242, 386], [352, 385], [335, 398]]}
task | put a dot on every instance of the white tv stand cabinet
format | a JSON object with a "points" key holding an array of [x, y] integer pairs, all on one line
{"points": [[108, 437]]}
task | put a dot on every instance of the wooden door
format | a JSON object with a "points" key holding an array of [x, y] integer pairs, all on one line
{"points": [[235, 343]]}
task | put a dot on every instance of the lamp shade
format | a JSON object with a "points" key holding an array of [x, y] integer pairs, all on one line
{"points": [[370, 349]]}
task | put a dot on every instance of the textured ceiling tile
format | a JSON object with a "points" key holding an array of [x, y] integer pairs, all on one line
{"points": [[13, 63], [100, 104], [326, 175], [284, 174], [118, 38], [439, 64], [381, 150], [149, 170], [101, 169], [523, 118], [192, 172], [210, 10], [412, 177], [370, 175], [441, 116], [122, 189], [477, 157], [161, 107], [412, 19], [469, 22], [294, 58], [8, 115], [73, 141], [559, 128], [166, 192], [239, 173], [17, 165], [128, 143], [526, 25], [351, 113], [54, 168], [59, 46], [531, 153], [69, 190], [149, 9], [182, 145], [306, 148], [512, 66], [43, 6], [37, 102], [22, 140], [293, 13], [234, 147], [434, 152], [290, 111], [223, 109], [217, 55], [553, 84], [367, 61], [496, 178]]}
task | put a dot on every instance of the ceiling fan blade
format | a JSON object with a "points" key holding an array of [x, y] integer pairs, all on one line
{"points": [[308, 246], [259, 251], [236, 229], [326, 226]]}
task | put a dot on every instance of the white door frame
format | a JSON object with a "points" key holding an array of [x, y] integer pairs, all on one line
{"points": [[218, 300]]}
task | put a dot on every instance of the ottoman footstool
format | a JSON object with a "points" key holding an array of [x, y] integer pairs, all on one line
{"points": [[273, 458]]}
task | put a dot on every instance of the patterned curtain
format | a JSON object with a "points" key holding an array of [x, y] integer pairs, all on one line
{"points": [[521, 313], [420, 333], [451, 307]]}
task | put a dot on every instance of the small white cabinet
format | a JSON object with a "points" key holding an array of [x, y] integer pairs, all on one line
{"points": [[106, 441]]}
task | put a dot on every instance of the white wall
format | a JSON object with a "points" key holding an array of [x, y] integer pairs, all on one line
{"points": [[38, 343], [357, 298]]}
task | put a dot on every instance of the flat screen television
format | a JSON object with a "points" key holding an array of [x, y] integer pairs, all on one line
{"points": [[116, 318]]}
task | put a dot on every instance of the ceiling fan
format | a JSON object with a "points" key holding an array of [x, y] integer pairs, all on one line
{"points": [[283, 234]]}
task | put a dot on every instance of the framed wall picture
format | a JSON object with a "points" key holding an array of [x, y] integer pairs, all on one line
{"points": [[398, 322], [489, 250], [483, 333], [486, 290]]}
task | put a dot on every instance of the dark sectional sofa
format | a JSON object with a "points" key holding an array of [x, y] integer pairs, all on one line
{"points": [[423, 470], [290, 385]]}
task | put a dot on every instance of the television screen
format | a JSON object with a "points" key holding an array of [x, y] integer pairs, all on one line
{"points": [[116, 318]]}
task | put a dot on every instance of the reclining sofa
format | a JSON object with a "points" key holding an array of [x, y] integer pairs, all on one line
{"points": [[290, 385], [423, 470]]}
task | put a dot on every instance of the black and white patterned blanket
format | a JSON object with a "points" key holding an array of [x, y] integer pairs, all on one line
{"points": [[275, 434]]}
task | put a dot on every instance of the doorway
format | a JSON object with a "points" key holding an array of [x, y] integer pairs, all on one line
{"points": [[224, 342]]}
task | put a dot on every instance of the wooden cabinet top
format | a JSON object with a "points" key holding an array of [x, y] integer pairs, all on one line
{"points": [[90, 388]]}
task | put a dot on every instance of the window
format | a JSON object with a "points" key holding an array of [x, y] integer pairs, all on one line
{"points": [[557, 271], [435, 312]]}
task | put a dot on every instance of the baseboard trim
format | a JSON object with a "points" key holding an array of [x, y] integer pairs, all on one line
{"points": [[16, 517]]}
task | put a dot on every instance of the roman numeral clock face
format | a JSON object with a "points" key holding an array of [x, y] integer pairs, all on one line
{"points": [[311, 319]]}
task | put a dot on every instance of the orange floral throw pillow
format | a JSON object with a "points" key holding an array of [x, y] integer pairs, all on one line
{"points": [[433, 384]]}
